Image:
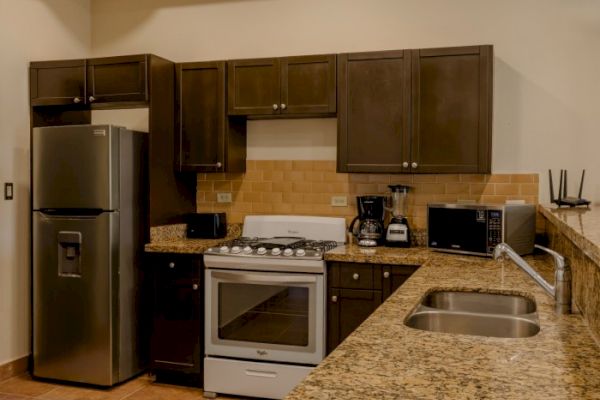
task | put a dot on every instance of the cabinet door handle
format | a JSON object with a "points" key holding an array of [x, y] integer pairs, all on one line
{"points": [[414, 165], [195, 286], [405, 164], [76, 100], [218, 164], [92, 99], [283, 106], [355, 276], [386, 274], [171, 265], [275, 107], [334, 299]]}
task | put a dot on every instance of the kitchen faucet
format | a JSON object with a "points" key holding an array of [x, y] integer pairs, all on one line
{"points": [[561, 291]]}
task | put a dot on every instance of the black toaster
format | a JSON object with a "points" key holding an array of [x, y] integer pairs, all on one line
{"points": [[206, 225]]}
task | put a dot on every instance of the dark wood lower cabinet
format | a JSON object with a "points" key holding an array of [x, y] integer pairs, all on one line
{"points": [[177, 343], [354, 291]]}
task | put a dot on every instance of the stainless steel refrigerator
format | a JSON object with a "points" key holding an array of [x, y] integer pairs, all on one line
{"points": [[89, 196]]}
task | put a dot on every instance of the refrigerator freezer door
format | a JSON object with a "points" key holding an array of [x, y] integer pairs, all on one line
{"points": [[75, 298], [76, 167]]}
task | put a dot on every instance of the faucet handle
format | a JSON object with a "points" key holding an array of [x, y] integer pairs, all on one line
{"points": [[559, 260]]}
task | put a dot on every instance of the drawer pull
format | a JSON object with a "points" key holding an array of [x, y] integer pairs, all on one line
{"points": [[355, 276], [195, 286], [171, 264], [261, 374], [386, 274], [334, 299]]}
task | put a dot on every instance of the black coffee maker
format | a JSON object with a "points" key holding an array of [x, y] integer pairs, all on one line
{"points": [[369, 231]]}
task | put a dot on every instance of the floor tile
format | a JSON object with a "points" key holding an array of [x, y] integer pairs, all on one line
{"points": [[13, 397], [24, 385], [82, 393], [159, 391]]}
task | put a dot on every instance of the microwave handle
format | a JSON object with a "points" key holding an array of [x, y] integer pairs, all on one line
{"points": [[244, 277]]}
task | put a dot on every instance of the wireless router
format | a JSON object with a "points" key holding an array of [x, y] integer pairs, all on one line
{"points": [[563, 199]]}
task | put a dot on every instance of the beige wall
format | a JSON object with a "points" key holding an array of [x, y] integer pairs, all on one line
{"points": [[29, 30], [546, 67]]}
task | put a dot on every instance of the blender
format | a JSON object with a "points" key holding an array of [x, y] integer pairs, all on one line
{"points": [[398, 232]]}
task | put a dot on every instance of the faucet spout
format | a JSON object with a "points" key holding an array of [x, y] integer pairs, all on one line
{"points": [[561, 290]]}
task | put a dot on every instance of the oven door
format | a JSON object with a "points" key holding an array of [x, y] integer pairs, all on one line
{"points": [[268, 316]]}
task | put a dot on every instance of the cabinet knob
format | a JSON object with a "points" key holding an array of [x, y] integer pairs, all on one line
{"points": [[355, 276], [334, 299], [275, 107], [386, 274], [92, 99], [171, 264], [414, 165], [76, 100], [195, 286], [405, 164], [218, 165], [283, 106]]}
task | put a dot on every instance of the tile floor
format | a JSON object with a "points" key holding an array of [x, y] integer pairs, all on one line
{"points": [[142, 388]]}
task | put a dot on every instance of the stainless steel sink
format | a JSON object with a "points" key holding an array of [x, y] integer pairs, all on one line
{"points": [[475, 313], [488, 303]]}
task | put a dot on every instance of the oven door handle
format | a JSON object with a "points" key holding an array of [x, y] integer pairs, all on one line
{"points": [[256, 278]]}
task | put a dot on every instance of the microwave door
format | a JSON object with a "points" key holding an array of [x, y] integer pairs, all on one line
{"points": [[463, 230]]}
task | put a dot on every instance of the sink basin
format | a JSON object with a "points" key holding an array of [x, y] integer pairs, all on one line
{"points": [[475, 313], [488, 303]]}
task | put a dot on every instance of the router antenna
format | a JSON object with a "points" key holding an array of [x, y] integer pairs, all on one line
{"points": [[581, 183], [552, 199], [560, 187], [565, 187]]}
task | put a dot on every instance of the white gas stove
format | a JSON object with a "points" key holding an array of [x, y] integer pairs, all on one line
{"points": [[265, 304]]}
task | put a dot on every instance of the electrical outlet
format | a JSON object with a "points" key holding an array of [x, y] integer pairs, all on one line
{"points": [[339, 201], [8, 191], [224, 197]]}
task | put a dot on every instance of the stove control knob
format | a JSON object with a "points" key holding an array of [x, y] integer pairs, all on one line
{"points": [[261, 251], [247, 250], [276, 251], [236, 249], [224, 249], [300, 252], [288, 252]]}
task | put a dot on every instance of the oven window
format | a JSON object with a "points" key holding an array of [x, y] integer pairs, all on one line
{"points": [[264, 313]]}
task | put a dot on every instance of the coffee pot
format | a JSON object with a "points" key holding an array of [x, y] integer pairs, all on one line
{"points": [[398, 231], [369, 231]]}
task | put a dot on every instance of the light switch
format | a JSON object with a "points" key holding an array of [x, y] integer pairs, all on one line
{"points": [[339, 201], [8, 191]]}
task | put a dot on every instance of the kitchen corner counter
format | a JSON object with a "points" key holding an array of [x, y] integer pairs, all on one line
{"points": [[384, 359], [171, 239]]}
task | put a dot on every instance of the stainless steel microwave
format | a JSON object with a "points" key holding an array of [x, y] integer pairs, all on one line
{"points": [[478, 228]]}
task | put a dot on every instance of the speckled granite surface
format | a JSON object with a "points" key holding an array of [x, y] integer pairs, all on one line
{"points": [[580, 225], [384, 359], [169, 240]]}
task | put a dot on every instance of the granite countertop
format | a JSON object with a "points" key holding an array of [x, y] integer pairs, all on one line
{"points": [[581, 225], [384, 359]]}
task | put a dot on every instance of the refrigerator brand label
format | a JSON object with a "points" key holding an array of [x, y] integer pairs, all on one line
{"points": [[99, 132]]}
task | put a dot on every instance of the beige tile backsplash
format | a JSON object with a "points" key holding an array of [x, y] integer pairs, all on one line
{"points": [[305, 188]]}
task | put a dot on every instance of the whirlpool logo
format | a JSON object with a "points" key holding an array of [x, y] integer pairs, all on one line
{"points": [[293, 232]]}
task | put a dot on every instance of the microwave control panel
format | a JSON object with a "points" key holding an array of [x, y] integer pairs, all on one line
{"points": [[494, 229]]}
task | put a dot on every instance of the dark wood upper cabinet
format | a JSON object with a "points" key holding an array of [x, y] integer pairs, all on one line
{"points": [[117, 79], [57, 83], [373, 112], [308, 84], [418, 111], [452, 110], [254, 86], [206, 139], [295, 86]]}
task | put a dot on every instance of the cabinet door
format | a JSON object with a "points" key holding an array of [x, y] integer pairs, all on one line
{"points": [[253, 86], [373, 111], [346, 310], [308, 84], [394, 276], [117, 79], [57, 83], [177, 337], [201, 116], [451, 109]]}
